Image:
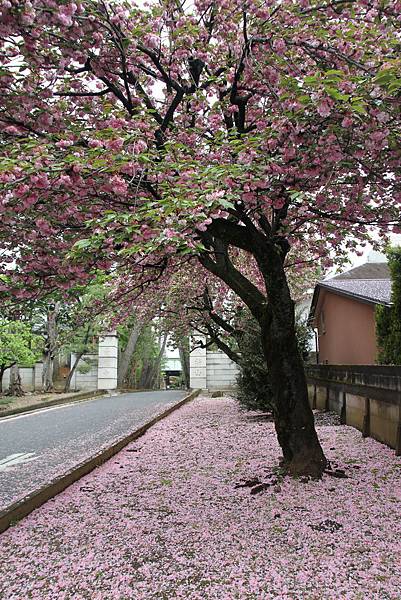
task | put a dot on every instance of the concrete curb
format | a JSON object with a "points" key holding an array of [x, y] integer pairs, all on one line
{"points": [[70, 399], [23, 507]]}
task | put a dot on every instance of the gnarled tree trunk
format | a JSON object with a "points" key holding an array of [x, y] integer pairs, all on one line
{"points": [[126, 355], [293, 416], [15, 386], [50, 349], [184, 359], [294, 421]]}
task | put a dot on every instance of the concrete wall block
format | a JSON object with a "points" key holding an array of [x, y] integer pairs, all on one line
{"points": [[6, 379], [321, 398], [198, 361], [198, 383], [107, 373], [108, 351], [213, 372], [38, 370], [110, 341], [355, 411], [384, 419], [311, 391], [335, 400], [107, 362], [107, 384]]}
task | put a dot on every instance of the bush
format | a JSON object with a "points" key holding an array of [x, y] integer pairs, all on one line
{"points": [[254, 389], [388, 318], [254, 384]]}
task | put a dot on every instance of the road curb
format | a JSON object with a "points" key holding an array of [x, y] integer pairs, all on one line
{"points": [[23, 507], [77, 397]]}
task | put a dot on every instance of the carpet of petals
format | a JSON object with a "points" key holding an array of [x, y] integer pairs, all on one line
{"points": [[165, 520]]}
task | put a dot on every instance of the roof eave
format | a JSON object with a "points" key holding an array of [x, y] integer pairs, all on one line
{"points": [[359, 297]]}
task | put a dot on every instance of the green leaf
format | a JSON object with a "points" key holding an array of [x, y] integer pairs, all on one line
{"points": [[82, 244]]}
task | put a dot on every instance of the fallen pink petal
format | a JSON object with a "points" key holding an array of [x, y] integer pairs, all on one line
{"points": [[166, 518]]}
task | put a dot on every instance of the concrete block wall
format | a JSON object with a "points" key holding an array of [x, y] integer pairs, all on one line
{"points": [[27, 375], [376, 418], [221, 371], [85, 381], [38, 375], [210, 370]]}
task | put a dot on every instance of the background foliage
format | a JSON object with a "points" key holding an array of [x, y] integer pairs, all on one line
{"points": [[388, 319]]}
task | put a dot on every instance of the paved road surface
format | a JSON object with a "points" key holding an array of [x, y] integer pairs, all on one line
{"points": [[36, 447]]}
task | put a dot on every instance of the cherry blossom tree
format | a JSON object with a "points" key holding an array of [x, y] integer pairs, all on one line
{"points": [[144, 139]]}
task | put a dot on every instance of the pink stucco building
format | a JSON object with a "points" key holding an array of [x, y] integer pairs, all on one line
{"points": [[343, 314]]}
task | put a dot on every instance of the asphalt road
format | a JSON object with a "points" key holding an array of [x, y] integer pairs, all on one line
{"points": [[36, 447]]}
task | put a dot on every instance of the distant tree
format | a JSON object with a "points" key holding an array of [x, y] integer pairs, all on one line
{"points": [[145, 364], [388, 318], [129, 334], [18, 346], [183, 349]]}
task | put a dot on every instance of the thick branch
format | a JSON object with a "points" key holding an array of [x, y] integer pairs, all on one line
{"points": [[234, 356], [225, 270]]}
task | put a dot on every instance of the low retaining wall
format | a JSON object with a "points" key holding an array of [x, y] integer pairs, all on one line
{"points": [[366, 397], [31, 377]]}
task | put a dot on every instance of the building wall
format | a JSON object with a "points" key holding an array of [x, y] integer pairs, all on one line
{"points": [[346, 330], [221, 372], [210, 370]]}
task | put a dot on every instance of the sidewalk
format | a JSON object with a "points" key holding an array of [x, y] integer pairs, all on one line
{"points": [[12, 405], [165, 520]]}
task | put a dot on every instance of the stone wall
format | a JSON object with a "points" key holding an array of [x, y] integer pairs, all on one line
{"points": [[210, 369], [31, 378], [82, 378], [221, 372], [367, 397]]}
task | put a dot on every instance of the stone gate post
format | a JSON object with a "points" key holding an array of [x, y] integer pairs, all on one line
{"points": [[197, 363], [108, 361]]}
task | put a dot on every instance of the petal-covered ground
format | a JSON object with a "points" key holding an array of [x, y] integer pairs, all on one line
{"points": [[164, 519]]}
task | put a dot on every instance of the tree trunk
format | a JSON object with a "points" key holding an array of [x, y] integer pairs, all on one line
{"points": [[15, 387], [184, 358], [126, 356], [157, 364], [50, 349], [293, 416], [2, 371], [78, 358], [72, 371], [145, 376], [151, 369], [294, 421]]}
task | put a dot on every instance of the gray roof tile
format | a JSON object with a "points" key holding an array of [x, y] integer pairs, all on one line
{"points": [[366, 271], [377, 291]]}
